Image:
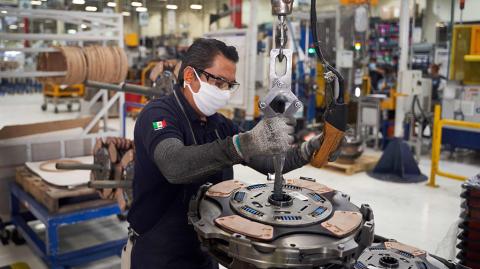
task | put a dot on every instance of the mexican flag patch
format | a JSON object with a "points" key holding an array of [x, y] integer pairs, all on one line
{"points": [[159, 125]]}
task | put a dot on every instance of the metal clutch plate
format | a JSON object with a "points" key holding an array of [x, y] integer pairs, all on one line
{"points": [[314, 226]]}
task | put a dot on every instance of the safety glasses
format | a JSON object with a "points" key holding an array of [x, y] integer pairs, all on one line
{"points": [[221, 83]]}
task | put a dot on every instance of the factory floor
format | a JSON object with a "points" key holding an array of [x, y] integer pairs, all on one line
{"points": [[411, 213]]}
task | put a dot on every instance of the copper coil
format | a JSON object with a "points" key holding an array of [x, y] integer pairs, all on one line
{"points": [[96, 63], [106, 64], [68, 59]]}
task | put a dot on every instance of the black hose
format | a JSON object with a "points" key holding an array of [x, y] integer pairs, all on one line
{"points": [[416, 102], [424, 120], [316, 45]]}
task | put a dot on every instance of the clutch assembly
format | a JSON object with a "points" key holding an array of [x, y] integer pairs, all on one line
{"points": [[312, 226]]}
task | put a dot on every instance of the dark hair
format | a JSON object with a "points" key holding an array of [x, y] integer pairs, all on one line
{"points": [[435, 67], [202, 52]]}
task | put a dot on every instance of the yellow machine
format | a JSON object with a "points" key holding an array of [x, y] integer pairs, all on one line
{"points": [[58, 94], [465, 55]]}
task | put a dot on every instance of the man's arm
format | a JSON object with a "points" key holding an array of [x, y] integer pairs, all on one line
{"points": [[182, 164]]}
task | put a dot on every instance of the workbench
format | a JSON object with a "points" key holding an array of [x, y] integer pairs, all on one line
{"points": [[82, 205]]}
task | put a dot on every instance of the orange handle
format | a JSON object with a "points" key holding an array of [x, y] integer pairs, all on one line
{"points": [[332, 137]]}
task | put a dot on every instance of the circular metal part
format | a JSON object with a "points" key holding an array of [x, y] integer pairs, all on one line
{"points": [[393, 255], [284, 201], [302, 207], [298, 104], [262, 105], [351, 149], [321, 227]]}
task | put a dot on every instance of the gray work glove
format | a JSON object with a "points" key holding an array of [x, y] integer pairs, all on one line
{"points": [[270, 136], [309, 147]]}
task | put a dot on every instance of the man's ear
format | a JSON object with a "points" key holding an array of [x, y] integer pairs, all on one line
{"points": [[188, 75]]}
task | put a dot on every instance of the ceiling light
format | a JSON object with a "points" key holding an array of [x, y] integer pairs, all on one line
{"points": [[78, 2], [126, 13], [12, 27], [4, 12], [84, 26], [72, 31], [171, 6], [141, 9], [90, 8], [36, 3], [136, 4], [111, 4], [196, 6]]}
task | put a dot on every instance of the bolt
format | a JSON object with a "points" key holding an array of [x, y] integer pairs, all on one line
{"points": [[262, 105], [298, 104], [341, 246]]}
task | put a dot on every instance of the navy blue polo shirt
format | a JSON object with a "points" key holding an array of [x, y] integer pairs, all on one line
{"points": [[154, 198]]}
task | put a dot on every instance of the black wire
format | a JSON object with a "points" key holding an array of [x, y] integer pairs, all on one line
{"points": [[424, 118], [316, 45]]}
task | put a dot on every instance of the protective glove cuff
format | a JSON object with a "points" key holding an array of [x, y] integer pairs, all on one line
{"points": [[236, 144]]}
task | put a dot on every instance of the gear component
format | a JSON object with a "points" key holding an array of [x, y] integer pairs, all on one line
{"points": [[469, 236], [242, 226], [112, 169], [392, 255]]}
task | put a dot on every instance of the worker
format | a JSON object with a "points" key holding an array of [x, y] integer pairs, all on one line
{"points": [[438, 84], [376, 75], [181, 142]]}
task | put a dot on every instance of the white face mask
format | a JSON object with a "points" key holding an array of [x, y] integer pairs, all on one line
{"points": [[209, 98]]}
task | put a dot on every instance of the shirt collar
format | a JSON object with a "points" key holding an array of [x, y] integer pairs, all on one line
{"points": [[191, 113]]}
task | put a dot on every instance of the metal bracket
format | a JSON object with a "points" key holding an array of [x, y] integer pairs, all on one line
{"points": [[280, 87]]}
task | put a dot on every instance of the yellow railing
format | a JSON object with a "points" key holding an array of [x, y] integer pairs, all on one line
{"points": [[438, 124]]}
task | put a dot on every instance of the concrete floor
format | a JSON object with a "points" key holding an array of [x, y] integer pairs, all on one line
{"points": [[411, 213]]}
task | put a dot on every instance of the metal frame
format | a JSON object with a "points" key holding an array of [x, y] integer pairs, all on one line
{"points": [[101, 25], [48, 250], [368, 102], [104, 27], [438, 124]]}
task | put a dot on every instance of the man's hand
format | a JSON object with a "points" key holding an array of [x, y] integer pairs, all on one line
{"points": [[270, 136], [308, 148], [163, 65]]}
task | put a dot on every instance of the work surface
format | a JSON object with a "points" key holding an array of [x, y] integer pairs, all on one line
{"points": [[62, 178]]}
